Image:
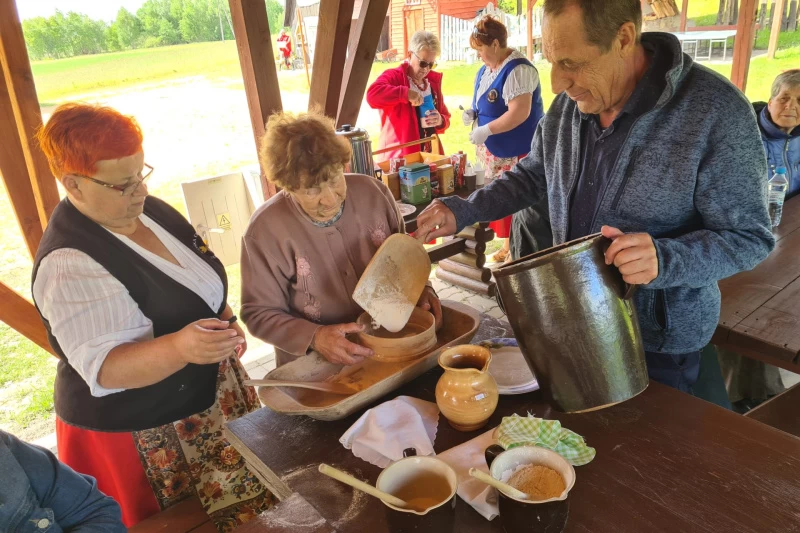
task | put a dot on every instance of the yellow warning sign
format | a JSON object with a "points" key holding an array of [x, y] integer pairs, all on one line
{"points": [[224, 221]]}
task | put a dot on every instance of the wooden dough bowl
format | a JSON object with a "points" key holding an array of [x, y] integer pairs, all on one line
{"points": [[410, 343]]}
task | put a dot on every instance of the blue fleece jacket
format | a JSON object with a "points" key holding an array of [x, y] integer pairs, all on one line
{"points": [[691, 174]]}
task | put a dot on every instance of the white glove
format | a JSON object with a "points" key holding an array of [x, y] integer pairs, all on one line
{"points": [[468, 116], [480, 134]]}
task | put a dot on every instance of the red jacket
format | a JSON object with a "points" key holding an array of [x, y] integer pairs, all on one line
{"points": [[399, 121]]}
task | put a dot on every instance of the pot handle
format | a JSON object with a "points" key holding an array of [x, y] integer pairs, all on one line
{"points": [[409, 452], [499, 300], [630, 290], [491, 453]]}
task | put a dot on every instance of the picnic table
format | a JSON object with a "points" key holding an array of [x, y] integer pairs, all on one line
{"points": [[760, 315], [666, 461], [694, 38]]}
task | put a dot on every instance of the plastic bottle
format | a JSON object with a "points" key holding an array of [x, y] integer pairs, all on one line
{"points": [[777, 193]]}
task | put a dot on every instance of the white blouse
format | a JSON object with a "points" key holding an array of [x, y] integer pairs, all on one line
{"points": [[523, 79], [91, 312]]}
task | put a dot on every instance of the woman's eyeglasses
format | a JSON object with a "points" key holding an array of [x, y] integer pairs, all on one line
{"points": [[425, 64], [125, 190]]}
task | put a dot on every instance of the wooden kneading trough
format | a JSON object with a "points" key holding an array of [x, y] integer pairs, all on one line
{"points": [[372, 379]]}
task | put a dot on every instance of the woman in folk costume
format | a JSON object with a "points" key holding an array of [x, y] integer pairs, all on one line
{"points": [[507, 106], [135, 307]]}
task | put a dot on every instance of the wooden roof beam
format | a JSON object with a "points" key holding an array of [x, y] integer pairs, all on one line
{"points": [[330, 55], [254, 42], [21, 315], [360, 59], [14, 171], [21, 91], [743, 45]]}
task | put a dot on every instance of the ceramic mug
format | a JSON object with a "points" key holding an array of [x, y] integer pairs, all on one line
{"points": [[520, 516], [439, 517]]}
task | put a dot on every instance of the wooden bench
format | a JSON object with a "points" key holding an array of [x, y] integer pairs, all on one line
{"points": [[187, 516], [781, 412]]}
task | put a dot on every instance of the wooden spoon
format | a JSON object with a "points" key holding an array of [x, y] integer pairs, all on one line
{"points": [[499, 485], [360, 485], [324, 386]]}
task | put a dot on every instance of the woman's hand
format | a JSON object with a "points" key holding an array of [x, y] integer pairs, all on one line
{"points": [[331, 342], [242, 348], [414, 98], [207, 341], [468, 117], [433, 120], [429, 301], [480, 134]]}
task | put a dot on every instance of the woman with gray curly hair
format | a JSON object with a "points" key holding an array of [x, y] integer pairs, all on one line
{"points": [[409, 98]]}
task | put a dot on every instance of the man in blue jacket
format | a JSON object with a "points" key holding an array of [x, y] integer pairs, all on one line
{"points": [[40, 494], [660, 154]]}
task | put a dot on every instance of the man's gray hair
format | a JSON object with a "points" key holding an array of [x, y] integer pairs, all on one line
{"points": [[602, 19], [790, 79], [422, 40]]}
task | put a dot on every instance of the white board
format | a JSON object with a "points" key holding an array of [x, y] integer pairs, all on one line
{"points": [[219, 208]]}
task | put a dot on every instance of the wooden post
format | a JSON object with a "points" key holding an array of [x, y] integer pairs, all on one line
{"points": [[531, 3], [777, 20], [25, 107], [684, 15], [330, 55], [302, 34], [14, 171], [21, 315], [743, 46], [254, 43], [360, 59]]}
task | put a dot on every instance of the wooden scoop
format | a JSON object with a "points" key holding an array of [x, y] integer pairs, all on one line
{"points": [[347, 479], [499, 485], [324, 386]]}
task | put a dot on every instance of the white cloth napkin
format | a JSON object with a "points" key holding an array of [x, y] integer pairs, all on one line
{"points": [[383, 432], [479, 495]]}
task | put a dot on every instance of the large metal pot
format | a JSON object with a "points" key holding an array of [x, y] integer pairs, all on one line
{"points": [[361, 161], [576, 325]]}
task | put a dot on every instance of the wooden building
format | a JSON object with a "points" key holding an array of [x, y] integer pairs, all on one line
{"points": [[409, 16]]}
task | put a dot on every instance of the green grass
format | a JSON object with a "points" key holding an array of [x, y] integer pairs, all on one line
{"points": [[763, 71]]}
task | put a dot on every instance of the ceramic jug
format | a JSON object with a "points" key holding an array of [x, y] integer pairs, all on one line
{"points": [[466, 393]]}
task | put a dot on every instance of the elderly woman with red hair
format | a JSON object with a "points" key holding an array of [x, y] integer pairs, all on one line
{"points": [[135, 307]]}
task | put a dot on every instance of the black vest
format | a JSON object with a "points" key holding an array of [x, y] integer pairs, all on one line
{"points": [[167, 303]]}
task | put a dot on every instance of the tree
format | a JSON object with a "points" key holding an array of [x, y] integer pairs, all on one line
{"points": [[275, 16], [128, 29], [199, 22]]}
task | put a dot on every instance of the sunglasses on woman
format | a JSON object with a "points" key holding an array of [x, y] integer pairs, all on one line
{"points": [[124, 190], [425, 64]]}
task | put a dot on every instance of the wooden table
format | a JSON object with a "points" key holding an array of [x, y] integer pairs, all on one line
{"points": [[760, 315], [666, 461], [780, 411]]}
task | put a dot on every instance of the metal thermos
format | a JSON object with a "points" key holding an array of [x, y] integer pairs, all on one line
{"points": [[576, 324], [361, 161]]}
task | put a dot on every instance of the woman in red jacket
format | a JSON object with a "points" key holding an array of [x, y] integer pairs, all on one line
{"points": [[410, 99]]}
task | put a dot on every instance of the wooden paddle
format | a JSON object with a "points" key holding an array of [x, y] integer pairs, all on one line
{"points": [[499, 485], [347, 479], [324, 386]]}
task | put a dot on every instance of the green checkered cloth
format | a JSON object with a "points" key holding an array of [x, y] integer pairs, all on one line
{"points": [[531, 431]]}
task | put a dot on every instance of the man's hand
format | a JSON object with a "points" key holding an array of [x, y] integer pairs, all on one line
{"points": [[429, 301], [435, 221], [331, 342], [634, 254], [414, 98]]}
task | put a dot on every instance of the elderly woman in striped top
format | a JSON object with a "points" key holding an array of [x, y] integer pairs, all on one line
{"points": [[135, 307], [506, 108]]}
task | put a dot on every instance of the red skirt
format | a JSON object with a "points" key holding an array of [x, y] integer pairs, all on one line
{"points": [[150, 470], [502, 227]]}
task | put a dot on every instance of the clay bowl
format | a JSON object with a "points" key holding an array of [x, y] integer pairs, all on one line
{"points": [[417, 338]]}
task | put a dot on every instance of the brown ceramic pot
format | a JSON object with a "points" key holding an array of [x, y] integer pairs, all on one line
{"points": [[466, 393]]}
